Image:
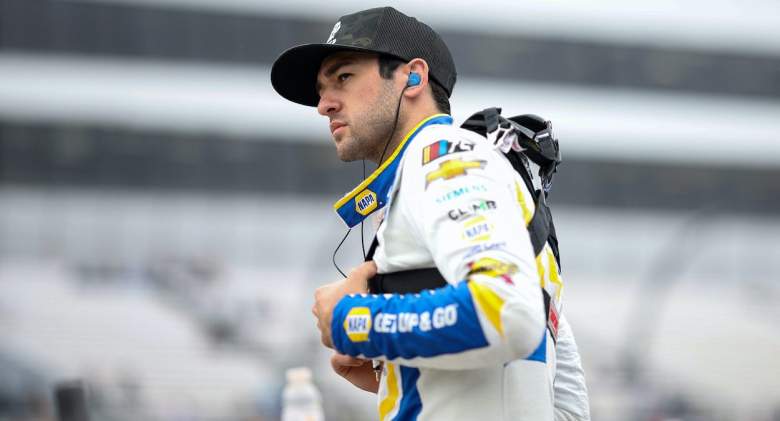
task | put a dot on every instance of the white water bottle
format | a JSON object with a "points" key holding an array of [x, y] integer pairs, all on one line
{"points": [[301, 401]]}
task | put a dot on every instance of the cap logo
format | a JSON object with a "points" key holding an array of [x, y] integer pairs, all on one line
{"points": [[332, 37]]}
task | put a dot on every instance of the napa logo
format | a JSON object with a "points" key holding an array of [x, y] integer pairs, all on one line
{"points": [[357, 324], [477, 229], [365, 202]]}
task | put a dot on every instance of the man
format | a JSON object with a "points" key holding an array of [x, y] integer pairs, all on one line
{"points": [[479, 348]]}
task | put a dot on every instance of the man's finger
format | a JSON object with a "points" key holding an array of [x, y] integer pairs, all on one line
{"points": [[325, 339], [346, 360]]}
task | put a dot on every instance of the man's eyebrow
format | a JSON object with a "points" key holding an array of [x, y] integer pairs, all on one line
{"points": [[337, 65], [333, 68]]}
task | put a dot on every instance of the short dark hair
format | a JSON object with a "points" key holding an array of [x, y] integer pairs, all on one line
{"points": [[389, 64]]}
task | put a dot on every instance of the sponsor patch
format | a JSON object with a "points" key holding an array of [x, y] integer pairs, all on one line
{"points": [[357, 324], [460, 191], [443, 147], [471, 210], [439, 318], [365, 202], [479, 248], [493, 267], [552, 320], [453, 168], [477, 229]]}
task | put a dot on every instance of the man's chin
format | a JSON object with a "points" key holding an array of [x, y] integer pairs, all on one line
{"points": [[345, 152], [346, 157]]}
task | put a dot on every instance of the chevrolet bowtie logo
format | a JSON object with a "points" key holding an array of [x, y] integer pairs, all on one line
{"points": [[451, 169]]}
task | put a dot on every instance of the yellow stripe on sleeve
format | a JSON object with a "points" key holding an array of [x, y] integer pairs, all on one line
{"points": [[540, 269], [554, 277], [390, 401], [490, 304], [527, 215]]}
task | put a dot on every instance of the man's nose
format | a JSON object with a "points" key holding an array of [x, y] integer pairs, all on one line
{"points": [[327, 105]]}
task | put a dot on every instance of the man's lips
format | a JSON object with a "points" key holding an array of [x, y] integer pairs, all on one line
{"points": [[335, 125]]}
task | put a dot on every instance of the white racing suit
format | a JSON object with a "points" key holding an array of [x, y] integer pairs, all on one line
{"points": [[480, 348]]}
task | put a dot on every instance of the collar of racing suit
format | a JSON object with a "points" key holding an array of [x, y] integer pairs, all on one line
{"points": [[371, 195]]}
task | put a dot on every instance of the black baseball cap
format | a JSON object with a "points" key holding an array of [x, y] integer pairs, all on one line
{"points": [[382, 30]]}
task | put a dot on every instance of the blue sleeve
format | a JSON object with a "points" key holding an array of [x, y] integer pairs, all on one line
{"points": [[429, 324]]}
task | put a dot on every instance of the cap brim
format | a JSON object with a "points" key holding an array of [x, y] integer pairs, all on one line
{"points": [[294, 73]]}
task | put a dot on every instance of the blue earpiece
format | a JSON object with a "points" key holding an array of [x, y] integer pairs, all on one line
{"points": [[414, 79]]}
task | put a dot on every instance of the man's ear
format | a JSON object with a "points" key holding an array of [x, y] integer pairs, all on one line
{"points": [[419, 67]]}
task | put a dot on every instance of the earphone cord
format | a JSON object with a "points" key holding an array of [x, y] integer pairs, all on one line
{"points": [[336, 251], [387, 143], [395, 124], [362, 238]]}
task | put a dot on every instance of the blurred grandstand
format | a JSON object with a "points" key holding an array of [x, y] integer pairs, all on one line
{"points": [[165, 216]]}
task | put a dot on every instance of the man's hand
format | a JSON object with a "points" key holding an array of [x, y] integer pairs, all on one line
{"points": [[358, 371], [327, 296]]}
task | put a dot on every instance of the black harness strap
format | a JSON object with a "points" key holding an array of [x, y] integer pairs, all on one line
{"points": [[539, 226], [372, 249], [404, 282], [407, 281], [417, 280]]}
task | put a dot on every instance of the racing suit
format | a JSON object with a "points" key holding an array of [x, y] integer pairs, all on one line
{"points": [[481, 347]]}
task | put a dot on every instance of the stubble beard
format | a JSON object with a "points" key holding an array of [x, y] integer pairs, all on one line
{"points": [[373, 129]]}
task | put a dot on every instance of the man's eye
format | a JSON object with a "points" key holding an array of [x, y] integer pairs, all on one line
{"points": [[344, 76]]}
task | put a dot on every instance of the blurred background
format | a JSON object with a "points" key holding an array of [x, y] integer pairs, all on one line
{"points": [[165, 216]]}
